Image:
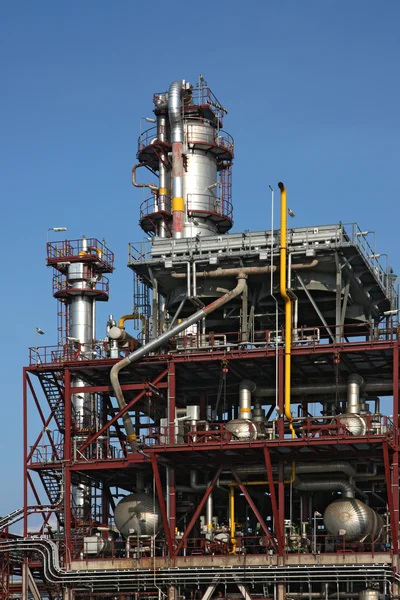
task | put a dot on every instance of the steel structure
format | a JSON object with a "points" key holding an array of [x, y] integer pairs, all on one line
{"points": [[235, 442]]}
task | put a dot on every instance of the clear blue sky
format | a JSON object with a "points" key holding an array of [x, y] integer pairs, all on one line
{"points": [[312, 90]]}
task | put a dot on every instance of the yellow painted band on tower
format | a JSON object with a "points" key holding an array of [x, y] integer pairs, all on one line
{"points": [[162, 191], [178, 204], [131, 437]]}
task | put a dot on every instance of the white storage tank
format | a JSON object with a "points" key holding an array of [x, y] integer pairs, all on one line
{"points": [[137, 514], [354, 519]]}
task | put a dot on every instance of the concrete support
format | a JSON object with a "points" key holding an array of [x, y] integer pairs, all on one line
{"points": [[172, 593]]}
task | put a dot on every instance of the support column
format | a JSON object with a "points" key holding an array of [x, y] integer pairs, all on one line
{"points": [[281, 503], [67, 460], [171, 502], [338, 312], [203, 406], [171, 402], [395, 462], [25, 451], [172, 593], [160, 496], [281, 394]]}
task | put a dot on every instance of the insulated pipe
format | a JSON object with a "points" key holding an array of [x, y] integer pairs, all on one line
{"points": [[326, 485], [175, 120], [152, 186], [163, 176], [328, 388], [354, 383], [246, 270], [288, 304], [209, 514], [156, 343], [245, 389]]}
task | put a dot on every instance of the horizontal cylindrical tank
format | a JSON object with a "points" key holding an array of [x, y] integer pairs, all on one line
{"points": [[137, 514], [242, 429], [354, 519], [355, 424], [368, 595]]}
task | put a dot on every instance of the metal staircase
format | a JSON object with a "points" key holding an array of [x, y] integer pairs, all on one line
{"points": [[55, 397], [51, 481]]}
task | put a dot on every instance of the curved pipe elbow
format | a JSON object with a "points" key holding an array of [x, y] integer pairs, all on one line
{"points": [[152, 186], [174, 110]]}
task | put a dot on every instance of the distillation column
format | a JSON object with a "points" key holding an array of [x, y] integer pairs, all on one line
{"points": [[79, 282]]}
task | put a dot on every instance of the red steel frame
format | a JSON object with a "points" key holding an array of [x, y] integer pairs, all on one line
{"points": [[166, 380]]}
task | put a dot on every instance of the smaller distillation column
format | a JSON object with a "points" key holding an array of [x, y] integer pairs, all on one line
{"points": [[78, 283]]}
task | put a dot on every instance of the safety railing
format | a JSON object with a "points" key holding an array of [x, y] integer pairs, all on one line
{"points": [[150, 136], [46, 453], [72, 351], [383, 273], [154, 205], [207, 135], [364, 334], [61, 285], [325, 543], [84, 249], [210, 204], [369, 427]]}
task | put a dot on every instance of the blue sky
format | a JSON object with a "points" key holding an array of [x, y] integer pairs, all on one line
{"points": [[312, 90]]}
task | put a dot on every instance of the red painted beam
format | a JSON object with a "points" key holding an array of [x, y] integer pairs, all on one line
{"points": [[160, 495], [25, 448], [101, 389], [44, 421], [389, 489], [254, 508], [274, 504], [198, 511], [121, 412]]}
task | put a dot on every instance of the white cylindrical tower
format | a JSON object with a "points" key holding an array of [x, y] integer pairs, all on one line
{"points": [[78, 283]]}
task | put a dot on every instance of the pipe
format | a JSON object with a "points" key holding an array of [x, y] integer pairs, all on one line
{"points": [[133, 317], [232, 526], [156, 343], [245, 389], [354, 383], [209, 515], [288, 305], [328, 389], [175, 120], [327, 485], [246, 270], [152, 186]]}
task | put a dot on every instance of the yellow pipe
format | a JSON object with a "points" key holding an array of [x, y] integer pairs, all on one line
{"points": [[232, 517], [121, 322], [288, 305]]}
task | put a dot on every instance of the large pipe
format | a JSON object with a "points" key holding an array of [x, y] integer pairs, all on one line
{"points": [[246, 270], [354, 383], [156, 343], [245, 389], [325, 389], [326, 485], [175, 120], [288, 305]]}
